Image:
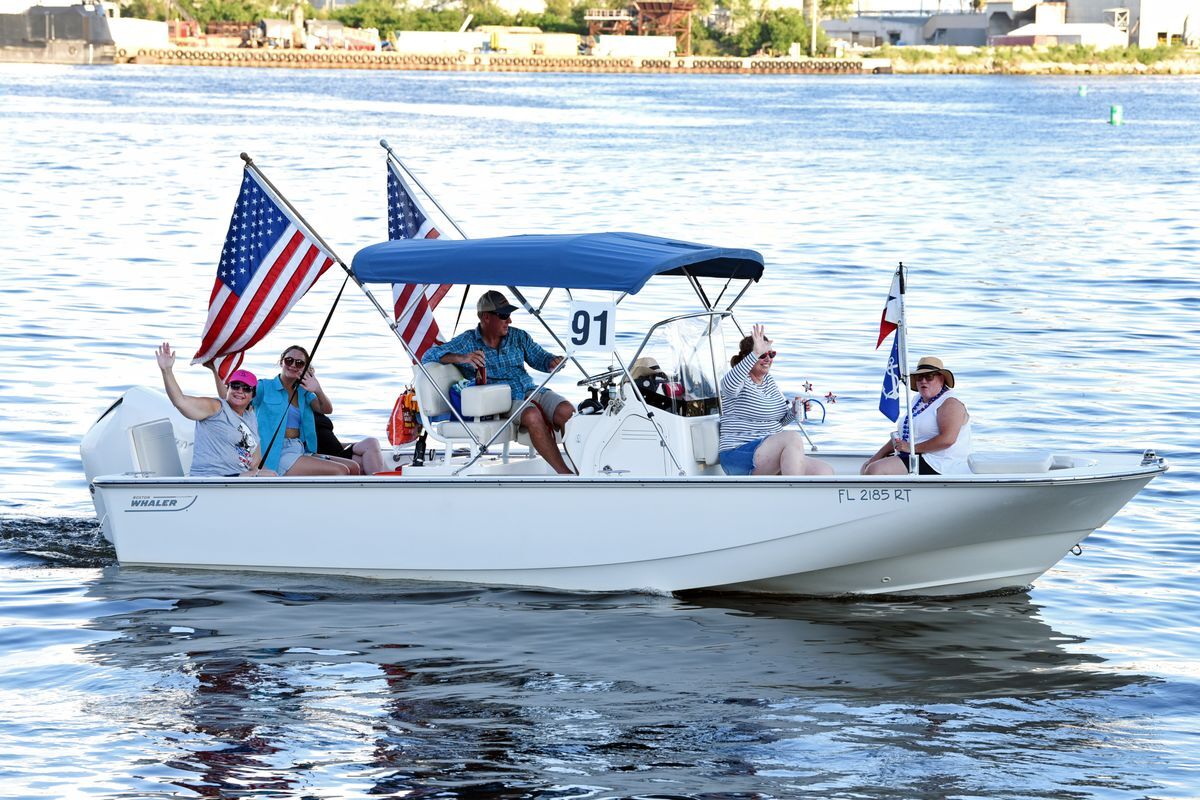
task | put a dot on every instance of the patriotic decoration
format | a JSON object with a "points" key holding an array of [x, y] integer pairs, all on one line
{"points": [[891, 311], [889, 323], [413, 303], [889, 397], [269, 261]]}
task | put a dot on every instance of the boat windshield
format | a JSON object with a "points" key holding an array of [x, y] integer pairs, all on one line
{"points": [[681, 364]]}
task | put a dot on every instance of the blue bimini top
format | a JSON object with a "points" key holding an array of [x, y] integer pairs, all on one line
{"points": [[620, 262]]}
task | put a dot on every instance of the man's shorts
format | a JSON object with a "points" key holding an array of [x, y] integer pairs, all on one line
{"points": [[548, 400]]}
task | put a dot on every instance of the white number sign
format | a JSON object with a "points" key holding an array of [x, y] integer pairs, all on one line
{"points": [[591, 326]]}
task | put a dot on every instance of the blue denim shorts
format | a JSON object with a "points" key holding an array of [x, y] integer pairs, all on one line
{"points": [[740, 460], [289, 454]]}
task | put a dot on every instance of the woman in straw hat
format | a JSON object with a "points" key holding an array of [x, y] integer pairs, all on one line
{"points": [[941, 428], [753, 415]]}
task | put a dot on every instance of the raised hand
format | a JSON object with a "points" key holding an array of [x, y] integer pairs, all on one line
{"points": [[761, 343], [310, 382], [165, 357]]}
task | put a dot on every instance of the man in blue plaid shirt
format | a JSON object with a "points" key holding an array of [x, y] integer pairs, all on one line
{"points": [[496, 352]]}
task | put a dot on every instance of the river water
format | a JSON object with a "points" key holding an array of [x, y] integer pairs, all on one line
{"points": [[1054, 267]]}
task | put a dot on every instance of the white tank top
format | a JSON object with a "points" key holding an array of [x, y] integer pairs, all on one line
{"points": [[953, 459]]}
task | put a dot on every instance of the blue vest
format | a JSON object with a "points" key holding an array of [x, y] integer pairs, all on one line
{"points": [[270, 404]]}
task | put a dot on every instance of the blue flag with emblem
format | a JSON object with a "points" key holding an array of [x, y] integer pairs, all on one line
{"points": [[889, 397]]}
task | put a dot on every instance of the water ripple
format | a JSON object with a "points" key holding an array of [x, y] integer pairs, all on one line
{"points": [[1052, 264]]}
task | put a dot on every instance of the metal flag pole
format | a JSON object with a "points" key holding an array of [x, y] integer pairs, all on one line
{"points": [[392, 154], [529, 308], [325, 245], [902, 333], [375, 302], [351, 276], [383, 312], [277, 195], [312, 355]]}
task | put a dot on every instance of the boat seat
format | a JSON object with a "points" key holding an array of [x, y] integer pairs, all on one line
{"points": [[477, 401], [154, 449], [1010, 463], [706, 434]]}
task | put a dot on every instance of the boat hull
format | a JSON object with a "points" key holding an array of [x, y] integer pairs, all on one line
{"points": [[844, 535], [59, 51]]}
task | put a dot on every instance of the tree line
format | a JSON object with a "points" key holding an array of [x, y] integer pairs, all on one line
{"points": [[753, 28]]}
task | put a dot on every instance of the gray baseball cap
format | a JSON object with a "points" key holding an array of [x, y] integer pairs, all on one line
{"points": [[495, 302]]}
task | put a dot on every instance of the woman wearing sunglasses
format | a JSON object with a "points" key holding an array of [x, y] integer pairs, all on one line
{"points": [[293, 450], [941, 425], [227, 442], [753, 415]]}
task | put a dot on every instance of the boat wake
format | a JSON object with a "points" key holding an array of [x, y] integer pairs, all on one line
{"points": [[59, 541]]}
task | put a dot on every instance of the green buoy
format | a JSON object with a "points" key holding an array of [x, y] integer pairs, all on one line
{"points": [[1116, 115]]}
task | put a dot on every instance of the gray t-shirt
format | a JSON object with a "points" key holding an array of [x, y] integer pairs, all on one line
{"points": [[225, 443]]}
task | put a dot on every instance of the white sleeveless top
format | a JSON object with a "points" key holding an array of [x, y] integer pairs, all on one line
{"points": [[953, 459]]}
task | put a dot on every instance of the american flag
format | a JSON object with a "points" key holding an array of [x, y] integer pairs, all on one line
{"points": [[269, 261], [413, 302]]}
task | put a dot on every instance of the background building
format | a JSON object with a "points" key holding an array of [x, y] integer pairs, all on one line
{"points": [[1100, 23]]}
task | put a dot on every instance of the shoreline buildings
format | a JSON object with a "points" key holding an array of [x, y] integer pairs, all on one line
{"points": [[1098, 23]]}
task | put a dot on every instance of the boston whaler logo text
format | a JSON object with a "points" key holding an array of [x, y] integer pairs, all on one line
{"points": [[161, 502]]}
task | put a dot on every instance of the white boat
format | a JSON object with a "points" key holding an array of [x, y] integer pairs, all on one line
{"points": [[650, 508]]}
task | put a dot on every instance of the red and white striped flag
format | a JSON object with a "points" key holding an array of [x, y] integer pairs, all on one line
{"points": [[269, 261], [891, 311], [413, 302]]}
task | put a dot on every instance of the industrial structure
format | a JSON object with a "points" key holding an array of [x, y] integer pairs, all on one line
{"points": [[608, 21], [667, 18], [1099, 23]]}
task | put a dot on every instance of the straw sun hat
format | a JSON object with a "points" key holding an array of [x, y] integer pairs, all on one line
{"points": [[927, 365], [644, 367]]}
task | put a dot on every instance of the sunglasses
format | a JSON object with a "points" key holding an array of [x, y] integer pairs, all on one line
{"points": [[238, 386], [298, 363], [927, 376], [502, 314], [770, 354]]}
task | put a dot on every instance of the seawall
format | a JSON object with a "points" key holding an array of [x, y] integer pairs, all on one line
{"points": [[341, 59]]}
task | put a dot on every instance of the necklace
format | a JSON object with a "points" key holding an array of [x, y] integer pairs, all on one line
{"points": [[920, 406]]}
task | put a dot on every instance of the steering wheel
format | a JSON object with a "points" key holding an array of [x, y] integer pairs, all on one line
{"points": [[602, 377]]}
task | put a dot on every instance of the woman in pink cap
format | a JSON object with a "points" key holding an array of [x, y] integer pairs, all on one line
{"points": [[227, 443]]}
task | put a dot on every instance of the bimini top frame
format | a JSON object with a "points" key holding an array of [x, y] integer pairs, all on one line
{"points": [[615, 261]]}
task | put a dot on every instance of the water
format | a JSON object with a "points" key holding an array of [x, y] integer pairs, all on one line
{"points": [[1053, 267]]}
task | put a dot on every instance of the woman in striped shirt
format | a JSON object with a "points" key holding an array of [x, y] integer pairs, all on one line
{"points": [[753, 415]]}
